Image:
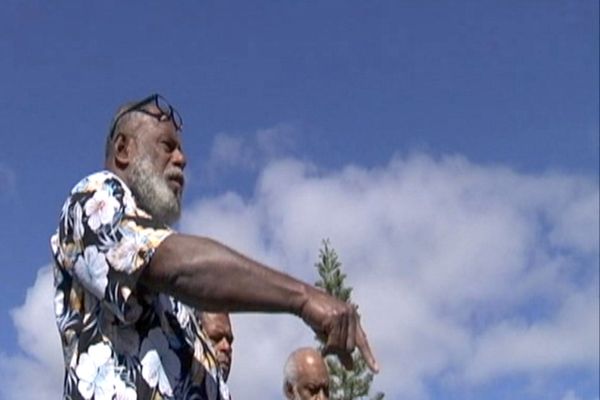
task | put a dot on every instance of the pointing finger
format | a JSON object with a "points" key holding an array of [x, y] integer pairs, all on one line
{"points": [[363, 345]]}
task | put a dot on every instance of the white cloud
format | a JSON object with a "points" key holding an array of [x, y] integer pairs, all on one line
{"points": [[38, 367], [464, 274], [571, 395], [248, 152], [229, 151], [569, 338], [454, 265]]}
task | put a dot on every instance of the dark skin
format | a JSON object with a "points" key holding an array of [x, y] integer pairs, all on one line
{"points": [[211, 276], [218, 329]]}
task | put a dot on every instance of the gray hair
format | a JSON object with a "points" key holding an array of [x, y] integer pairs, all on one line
{"points": [[120, 120], [290, 369]]}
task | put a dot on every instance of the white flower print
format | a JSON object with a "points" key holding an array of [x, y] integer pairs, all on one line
{"points": [[77, 222], [96, 373], [59, 298], [160, 365], [92, 270], [171, 306], [83, 184], [55, 244], [100, 209], [183, 315], [124, 392], [122, 256], [129, 203], [64, 215], [223, 389], [93, 303]]}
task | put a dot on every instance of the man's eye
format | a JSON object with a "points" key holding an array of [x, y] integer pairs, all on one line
{"points": [[167, 146]]}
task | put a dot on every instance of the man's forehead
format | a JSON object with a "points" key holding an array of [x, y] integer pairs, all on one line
{"points": [[313, 375], [216, 321], [307, 355], [151, 127], [311, 363]]}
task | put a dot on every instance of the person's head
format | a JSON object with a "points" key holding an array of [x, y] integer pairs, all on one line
{"points": [[217, 327], [143, 148], [306, 376]]}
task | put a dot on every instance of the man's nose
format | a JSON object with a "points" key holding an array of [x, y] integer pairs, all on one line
{"points": [[321, 395], [225, 346], [178, 158]]}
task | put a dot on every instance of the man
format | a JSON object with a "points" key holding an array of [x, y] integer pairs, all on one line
{"points": [[305, 376], [217, 327], [126, 282]]}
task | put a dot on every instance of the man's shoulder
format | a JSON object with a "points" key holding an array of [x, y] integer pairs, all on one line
{"points": [[100, 191], [99, 180], [104, 189]]}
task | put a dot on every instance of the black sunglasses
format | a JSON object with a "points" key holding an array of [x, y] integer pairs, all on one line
{"points": [[166, 112]]}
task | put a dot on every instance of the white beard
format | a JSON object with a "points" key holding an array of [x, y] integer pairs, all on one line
{"points": [[297, 396], [152, 192]]}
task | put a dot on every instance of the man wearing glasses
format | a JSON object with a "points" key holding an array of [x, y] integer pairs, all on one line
{"points": [[126, 283]]}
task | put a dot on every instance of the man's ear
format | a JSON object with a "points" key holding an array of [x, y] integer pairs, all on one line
{"points": [[123, 150], [288, 390]]}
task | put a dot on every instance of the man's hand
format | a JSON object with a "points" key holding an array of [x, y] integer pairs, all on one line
{"points": [[209, 275], [338, 323]]}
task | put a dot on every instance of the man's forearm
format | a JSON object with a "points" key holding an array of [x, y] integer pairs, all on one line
{"points": [[213, 277]]}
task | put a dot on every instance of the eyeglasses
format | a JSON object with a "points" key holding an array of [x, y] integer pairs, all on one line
{"points": [[165, 112]]}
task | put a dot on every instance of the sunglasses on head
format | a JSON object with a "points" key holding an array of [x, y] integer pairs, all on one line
{"points": [[166, 112]]}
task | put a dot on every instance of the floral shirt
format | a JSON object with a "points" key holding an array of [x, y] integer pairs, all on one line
{"points": [[121, 341]]}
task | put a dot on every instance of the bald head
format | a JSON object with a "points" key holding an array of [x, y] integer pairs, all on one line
{"points": [[306, 376]]}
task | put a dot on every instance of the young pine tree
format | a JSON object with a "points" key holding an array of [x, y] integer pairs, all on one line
{"points": [[343, 385]]}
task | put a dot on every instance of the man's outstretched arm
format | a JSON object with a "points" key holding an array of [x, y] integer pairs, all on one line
{"points": [[206, 274]]}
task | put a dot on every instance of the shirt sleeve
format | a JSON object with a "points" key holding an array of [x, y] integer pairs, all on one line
{"points": [[106, 241]]}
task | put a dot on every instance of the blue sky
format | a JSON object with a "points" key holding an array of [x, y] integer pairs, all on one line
{"points": [[479, 99]]}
